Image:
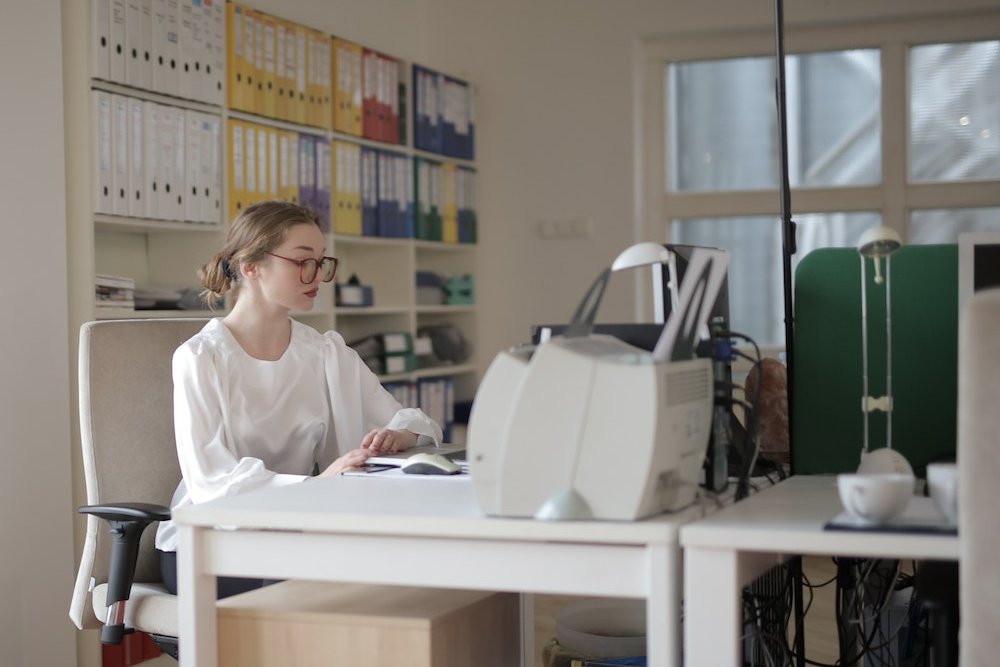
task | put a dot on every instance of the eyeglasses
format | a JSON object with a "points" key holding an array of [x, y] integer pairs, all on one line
{"points": [[308, 268]]}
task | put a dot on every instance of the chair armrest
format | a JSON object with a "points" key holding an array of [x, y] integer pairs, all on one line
{"points": [[126, 523]]}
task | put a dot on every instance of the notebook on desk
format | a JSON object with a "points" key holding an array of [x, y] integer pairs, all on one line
{"points": [[454, 452]]}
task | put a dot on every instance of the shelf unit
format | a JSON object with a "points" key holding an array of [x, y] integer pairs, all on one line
{"points": [[159, 252]]}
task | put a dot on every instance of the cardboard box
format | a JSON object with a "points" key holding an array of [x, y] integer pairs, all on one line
{"points": [[311, 624]]}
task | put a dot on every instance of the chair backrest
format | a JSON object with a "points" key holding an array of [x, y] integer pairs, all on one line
{"points": [[126, 434], [978, 473]]}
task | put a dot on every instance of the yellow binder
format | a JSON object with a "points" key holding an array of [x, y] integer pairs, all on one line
{"points": [[273, 160], [281, 81], [325, 81], [301, 48], [257, 20], [250, 164], [268, 90], [347, 87], [314, 74], [249, 63], [449, 208], [346, 215], [234, 53]]}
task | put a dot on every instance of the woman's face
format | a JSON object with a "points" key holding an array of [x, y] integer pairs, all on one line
{"points": [[280, 278]]}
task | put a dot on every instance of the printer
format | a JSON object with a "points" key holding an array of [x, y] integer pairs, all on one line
{"points": [[586, 426]]}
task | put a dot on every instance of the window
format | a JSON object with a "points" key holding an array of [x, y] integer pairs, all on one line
{"points": [[944, 225], [955, 112], [723, 126], [895, 123]]}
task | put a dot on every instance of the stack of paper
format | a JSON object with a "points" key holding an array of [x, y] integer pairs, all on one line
{"points": [[114, 291]]}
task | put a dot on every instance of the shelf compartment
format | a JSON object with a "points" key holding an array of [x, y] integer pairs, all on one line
{"points": [[443, 371], [445, 309], [118, 223], [370, 311], [143, 94], [374, 241], [129, 314]]}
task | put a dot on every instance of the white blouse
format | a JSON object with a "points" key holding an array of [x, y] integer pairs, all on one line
{"points": [[243, 423]]}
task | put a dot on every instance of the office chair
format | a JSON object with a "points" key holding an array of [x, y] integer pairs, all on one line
{"points": [[131, 470], [978, 475]]}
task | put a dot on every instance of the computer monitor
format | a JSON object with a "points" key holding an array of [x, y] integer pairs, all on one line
{"points": [[978, 263]]}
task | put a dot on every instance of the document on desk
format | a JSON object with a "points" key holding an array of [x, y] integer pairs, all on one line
{"points": [[921, 516]]}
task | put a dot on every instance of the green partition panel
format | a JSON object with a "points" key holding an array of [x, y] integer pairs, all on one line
{"points": [[827, 423]]}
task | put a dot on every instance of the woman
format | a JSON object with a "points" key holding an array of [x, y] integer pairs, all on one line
{"points": [[261, 400]]}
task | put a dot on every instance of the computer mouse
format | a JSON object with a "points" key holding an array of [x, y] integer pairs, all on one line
{"points": [[430, 464]]}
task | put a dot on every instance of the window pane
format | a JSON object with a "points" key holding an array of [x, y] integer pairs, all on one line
{"points": [[756, 292], [722, 123], [955, 112], [944, 226]]}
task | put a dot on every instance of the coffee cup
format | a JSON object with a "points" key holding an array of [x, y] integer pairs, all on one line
{"points": [[942, 483], [875, 498]]}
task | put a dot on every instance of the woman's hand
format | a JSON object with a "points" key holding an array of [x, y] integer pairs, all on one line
{"points": [[352, 460], [388, 441]]}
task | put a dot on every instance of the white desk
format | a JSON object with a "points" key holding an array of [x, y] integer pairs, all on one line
{"points": [[726, 551], [426, 531]]}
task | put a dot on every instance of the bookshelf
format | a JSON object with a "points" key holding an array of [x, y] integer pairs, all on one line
{"points": [[157, 247]]}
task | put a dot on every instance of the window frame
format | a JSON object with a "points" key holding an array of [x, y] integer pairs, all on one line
{"points": [[894, 197]]}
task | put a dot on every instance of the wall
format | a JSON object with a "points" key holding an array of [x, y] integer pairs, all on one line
{"points": [[36, 559]]}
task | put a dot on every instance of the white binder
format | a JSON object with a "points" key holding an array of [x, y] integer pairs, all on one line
{"points": [[100, 39], [151, 154], [117, 37], [212, 170], [172, 162], [263, 186], [102, 151], [250, 157], [165, 48], [272, 163], [119, 161], [136, 159], [192, 165], [134, 73], [187, 51], [180, 164], [215, 52], [146, 42]]}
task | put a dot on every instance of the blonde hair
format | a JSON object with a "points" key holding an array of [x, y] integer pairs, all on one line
{"points": [[258, 230]]}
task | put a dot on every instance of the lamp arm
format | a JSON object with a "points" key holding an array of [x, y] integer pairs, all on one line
{"points": [[888, 349], [864, 354]]}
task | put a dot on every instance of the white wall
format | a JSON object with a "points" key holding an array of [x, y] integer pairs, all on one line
{"points": [[36, 559]]}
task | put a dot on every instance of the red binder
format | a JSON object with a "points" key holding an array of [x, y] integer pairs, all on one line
{"points": [[369, 94]]}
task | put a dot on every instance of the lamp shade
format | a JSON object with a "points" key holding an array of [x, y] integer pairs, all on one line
{"points": [[879, 241], [640, 254]]}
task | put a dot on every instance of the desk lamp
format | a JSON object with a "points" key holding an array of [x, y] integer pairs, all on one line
{"points": [[878, 243]]}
